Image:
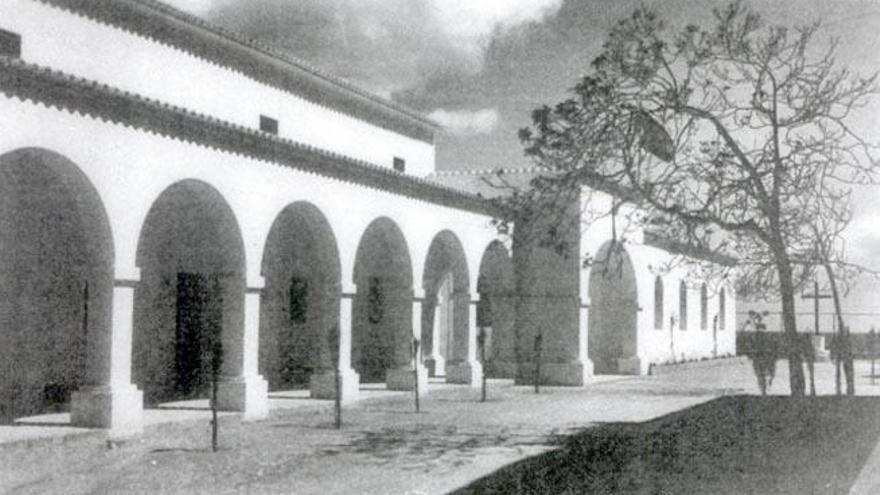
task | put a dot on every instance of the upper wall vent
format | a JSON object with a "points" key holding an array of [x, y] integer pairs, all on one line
{"points": [[10, 44]]}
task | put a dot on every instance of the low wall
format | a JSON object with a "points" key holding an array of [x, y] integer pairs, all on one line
{"points": [[665, 369], [860, 343]]}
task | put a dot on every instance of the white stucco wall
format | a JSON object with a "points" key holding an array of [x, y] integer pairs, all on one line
{"points": [[73, 44], [130, 169], [654, 346]]}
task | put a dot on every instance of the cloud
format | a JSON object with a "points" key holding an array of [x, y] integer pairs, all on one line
{"points": [[468, 24], [466, 122], [386, 46]]}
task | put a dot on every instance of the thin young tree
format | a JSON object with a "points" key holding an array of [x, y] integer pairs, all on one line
{"points": [[723, 132]]}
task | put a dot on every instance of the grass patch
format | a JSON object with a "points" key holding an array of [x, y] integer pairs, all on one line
{"points": [[761, 445]]}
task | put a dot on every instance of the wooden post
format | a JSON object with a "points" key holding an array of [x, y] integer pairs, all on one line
{"points": [[538, 339], [216, 360], [337, 401], [415, 358], [481, 341]]}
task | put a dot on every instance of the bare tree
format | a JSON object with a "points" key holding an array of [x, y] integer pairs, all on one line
{"points": [[724, 133]]}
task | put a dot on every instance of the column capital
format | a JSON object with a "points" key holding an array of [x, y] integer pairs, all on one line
{"points": [[126, 275], [255, 283], [347, 289], [418, 294]]}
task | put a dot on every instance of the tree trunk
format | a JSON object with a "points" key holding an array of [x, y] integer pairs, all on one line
{"points": [[786, 288], [843, 332]]}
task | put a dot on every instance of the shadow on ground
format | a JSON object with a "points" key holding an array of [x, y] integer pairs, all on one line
{"points": [[742, 444]]}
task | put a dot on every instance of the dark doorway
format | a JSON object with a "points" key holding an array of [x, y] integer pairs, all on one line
{"points": [[377, 353], [199, 323]]}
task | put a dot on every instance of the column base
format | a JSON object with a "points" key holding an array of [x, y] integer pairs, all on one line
{"points": [[118, 408], [818, 343], [500, 369], [403, 379], [248, 395], [467, 373], [631, 366], [557, 374], [436, 365], [322, 385]]}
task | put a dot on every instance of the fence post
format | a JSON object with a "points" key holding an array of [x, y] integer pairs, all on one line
{"points": [[538, 346], [216, 362], [481, 341], [415, 357], [337, 402], [872, 349]]}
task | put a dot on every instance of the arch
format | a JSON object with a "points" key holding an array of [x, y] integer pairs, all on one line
{"points": [[722, 309], [56, 295], [613, 316], [446, 281], [191, 295], [382, 307], [704, 307], [682, 306], [658, 303], [496, 310], [299, 310]]}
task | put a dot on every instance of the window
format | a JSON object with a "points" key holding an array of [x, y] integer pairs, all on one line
{"points": [[299, 293], [268, 124], [399, 164], [722, 309], [10, 44], [682, 306], [658, 303], [704, 308]]}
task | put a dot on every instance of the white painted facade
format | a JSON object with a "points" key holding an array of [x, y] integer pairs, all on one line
{"points": [[662, 345], [76, 45], [129, 169]]}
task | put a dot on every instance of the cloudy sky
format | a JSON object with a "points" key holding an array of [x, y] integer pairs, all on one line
{"points": [[480, 66]]}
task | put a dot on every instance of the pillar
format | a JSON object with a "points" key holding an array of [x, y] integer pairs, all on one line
{"points": [[242, 388], [464, 368], [322, 384], [438, 334], [401, 376], [109, 399], [583, 329], [503, 353]]}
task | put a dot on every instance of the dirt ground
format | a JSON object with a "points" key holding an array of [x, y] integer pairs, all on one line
{"points": [[459, 443]]}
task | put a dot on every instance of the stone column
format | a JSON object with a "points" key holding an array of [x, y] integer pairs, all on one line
{"points": [[109, 399], [435, 362], [323, 383], [242, 388], [401, 376], [583, 331], [463, 367]]}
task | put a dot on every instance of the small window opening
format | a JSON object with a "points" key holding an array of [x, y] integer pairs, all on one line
{"points": [[268, 124], [10, 44], [399, 164]]}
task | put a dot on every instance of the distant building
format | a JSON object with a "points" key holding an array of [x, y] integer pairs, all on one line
{"points": [[166, 184]]}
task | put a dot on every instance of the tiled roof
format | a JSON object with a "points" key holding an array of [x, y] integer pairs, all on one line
{"points": [[56, 89], [167, 25]]}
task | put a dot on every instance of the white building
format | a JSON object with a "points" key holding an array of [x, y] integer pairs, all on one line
{"points": [[164, 182]]}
